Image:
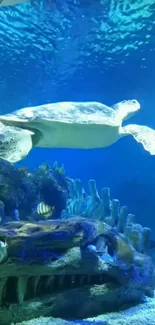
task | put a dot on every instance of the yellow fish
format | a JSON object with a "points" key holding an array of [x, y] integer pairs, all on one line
{"points": [[45, 210]]}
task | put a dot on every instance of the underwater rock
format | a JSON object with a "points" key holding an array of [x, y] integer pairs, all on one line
{"points": [[50, 270], [21, 191]]}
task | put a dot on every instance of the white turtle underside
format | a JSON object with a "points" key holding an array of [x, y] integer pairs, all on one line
{"points": [[68, 135]]}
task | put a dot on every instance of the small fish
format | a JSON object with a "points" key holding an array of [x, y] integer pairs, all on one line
{"points": [[45, 210], [92, 248], [103, 254], [106, 257], [4, 3]]}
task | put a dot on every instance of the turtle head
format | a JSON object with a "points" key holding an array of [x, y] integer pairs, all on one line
{"points": [[126, 109], [15, 143]]}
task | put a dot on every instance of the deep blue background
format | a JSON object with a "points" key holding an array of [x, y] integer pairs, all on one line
{"points": [[32, 75]]}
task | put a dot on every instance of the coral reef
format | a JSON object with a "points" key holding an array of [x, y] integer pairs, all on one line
{"points": [[21, 191], [90, 258], [50, 269]]}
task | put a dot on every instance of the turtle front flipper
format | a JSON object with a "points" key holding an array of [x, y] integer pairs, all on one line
{"points": [[15, 143], [142, 134]]}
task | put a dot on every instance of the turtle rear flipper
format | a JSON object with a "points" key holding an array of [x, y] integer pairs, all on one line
{"points": [[15, 143], [142, 134]]}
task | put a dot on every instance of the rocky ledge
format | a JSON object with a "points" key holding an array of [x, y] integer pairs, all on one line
{"points": [[70, 269]]}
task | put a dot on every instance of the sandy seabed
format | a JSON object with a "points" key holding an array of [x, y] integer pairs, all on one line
{"points": [[143, 314]]}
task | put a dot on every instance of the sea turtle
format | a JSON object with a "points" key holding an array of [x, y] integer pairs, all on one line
{"points": [[84, 125]]}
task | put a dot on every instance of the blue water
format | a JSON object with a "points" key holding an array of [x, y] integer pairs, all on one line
{"points": [[80, 51]]}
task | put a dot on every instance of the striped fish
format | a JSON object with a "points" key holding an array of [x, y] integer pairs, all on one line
{"points": [[45, 210]]}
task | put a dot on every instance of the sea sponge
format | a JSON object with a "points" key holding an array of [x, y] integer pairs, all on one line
{"points": [[124, 251], [122, 219], [102, 207], [146, 240]]}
